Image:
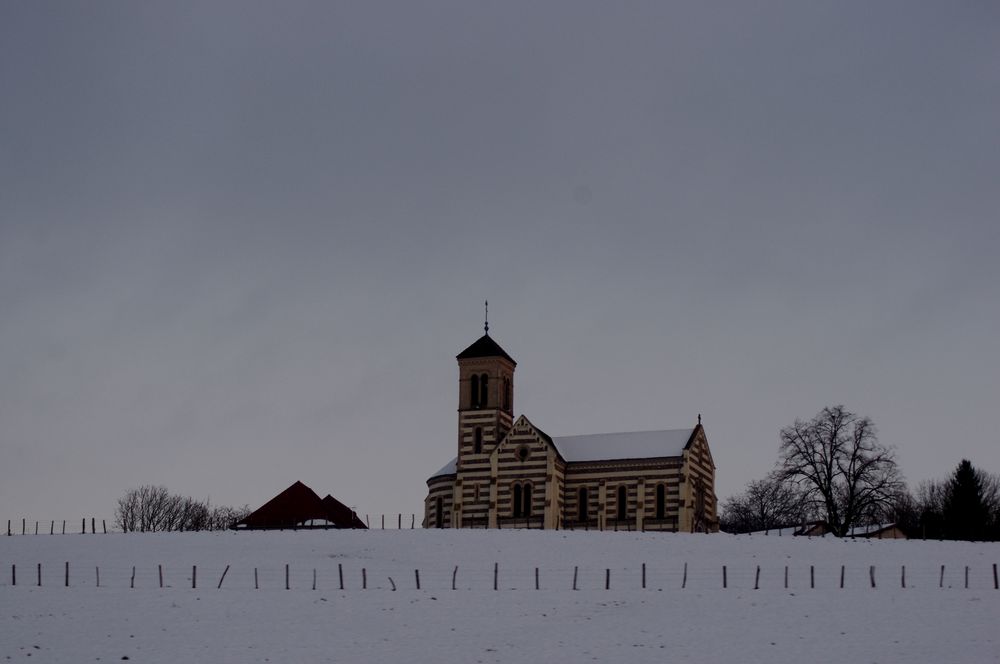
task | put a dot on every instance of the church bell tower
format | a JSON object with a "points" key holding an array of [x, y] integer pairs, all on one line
{"points": [[485, 415]]}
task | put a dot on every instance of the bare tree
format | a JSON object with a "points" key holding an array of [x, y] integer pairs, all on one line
{"points": [[837, 462], [153, 509], [223, 518], [766, 504]]}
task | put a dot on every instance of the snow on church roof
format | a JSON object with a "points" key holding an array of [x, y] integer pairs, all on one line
{"points": [[631, 445], [611, 446], [450, 468]]}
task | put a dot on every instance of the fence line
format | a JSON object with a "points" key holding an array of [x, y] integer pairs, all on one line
{"points": [[631, 579]]}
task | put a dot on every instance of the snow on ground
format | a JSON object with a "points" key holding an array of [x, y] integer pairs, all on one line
{"points": [[663, 623]]}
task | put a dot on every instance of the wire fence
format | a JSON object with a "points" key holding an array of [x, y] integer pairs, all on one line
{"points": [[345, 577], [61, 527]]}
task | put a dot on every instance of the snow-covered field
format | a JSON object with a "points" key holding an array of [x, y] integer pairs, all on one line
{"points": [[665, 622]]}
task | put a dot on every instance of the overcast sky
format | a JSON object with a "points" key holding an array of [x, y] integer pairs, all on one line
{"points": [[241, 243]]}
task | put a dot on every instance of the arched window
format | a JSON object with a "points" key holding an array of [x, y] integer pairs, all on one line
{"points": [[622, 503], [474, 391], [526, 507], [516, 511], [582, 507], [484, 395], [506, 393], [661, 501], [439, 513], [477, 445]]}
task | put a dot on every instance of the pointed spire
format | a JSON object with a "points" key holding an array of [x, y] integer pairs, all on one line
{"points": [[486, 326]]}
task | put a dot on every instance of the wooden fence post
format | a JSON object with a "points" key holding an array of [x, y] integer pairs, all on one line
{"points": [[36, 527], [941, 578], [644, 576], [13, 574], [416, 575], [684, 581], [871, 574], [812, 577], [159, 569], [383, 522], [536, 578], [996, 582], [83, 526], [841, 576], [496, 575], [399, 522], [756, 580], [786, 577], [454, 576], [723, 576], [131, 581], [902, 576], [52, 527], [287, 585], [256, 582], [575, 570], [8, 527], [104, 524], [364, 579], [39, 575], [64, 527], [340, 573], [23, 526], [314, 578], [93, 529], [413, 521], [222, 578], [194, 576], [97, 572], [67, 574]]}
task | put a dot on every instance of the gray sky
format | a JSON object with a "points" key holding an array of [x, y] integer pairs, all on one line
{"points": [[241, 243]]}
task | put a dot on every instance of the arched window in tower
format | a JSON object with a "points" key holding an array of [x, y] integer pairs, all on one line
{"points": [[516, 507], [439, 513], [477, 445], [582, 506], [506, 393], [474, 391], [526, 505], [484, 395], [661, 501], [622, 503]]}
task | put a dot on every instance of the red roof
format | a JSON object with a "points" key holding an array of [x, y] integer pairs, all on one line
{"points": [[299, 504]]}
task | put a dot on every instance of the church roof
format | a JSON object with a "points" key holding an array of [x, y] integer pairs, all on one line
{"points": [[610, 446], [484, 347], [630, 445], [450, 468]]}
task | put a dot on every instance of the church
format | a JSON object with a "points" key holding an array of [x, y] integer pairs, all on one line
{"points": [[508, 473]]}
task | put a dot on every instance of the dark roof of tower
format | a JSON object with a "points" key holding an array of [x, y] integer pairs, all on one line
{"points": [[484, 347]]}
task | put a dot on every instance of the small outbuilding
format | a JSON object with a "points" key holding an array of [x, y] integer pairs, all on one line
{"points": [[873, 531], [299, 507]]}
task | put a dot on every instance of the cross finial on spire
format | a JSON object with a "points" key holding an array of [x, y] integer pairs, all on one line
{"points": [[486, 326], [699, 418]]}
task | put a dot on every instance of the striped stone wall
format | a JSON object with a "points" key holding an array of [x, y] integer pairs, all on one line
{"points": [[698, 500], [442, 487], [639, 478]]}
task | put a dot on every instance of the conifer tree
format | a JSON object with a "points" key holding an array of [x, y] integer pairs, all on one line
{"points": [[966, 515]]}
